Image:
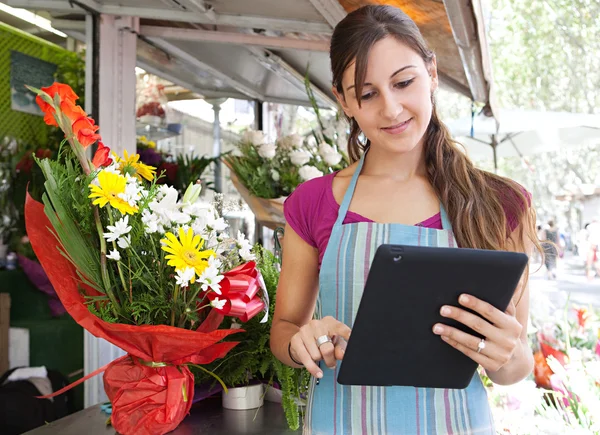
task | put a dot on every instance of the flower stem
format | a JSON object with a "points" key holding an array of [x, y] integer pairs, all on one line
{"points": [[85, 165], [130, 284], [193, 299], [110, 218], [77, 148], [104, 270], [182, 315], [175, 294]]}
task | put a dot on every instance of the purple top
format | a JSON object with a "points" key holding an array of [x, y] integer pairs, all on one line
{"points": [[311, 210]]}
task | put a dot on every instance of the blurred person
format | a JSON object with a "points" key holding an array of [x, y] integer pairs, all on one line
{"points": [[538, 257], [550, 238], [581, 243], [592, 266]]}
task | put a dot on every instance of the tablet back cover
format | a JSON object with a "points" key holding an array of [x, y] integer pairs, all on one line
{"points": [[392, 342]]}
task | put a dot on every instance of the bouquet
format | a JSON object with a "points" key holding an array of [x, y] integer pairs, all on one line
{"points": [[266, 173], [134, 264]]}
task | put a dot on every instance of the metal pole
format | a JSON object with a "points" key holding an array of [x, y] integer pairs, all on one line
{"points": [[495, 149], [217, 147], [258, 125], [216, 105]]}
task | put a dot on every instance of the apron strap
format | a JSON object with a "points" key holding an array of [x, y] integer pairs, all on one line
{"points": [[446, 225], [349, 193]]}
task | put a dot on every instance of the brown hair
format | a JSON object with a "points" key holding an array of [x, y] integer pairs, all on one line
{"points": [[477, 202]]}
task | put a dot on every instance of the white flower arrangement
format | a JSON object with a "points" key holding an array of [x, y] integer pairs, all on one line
{"points": [[270, 170]]}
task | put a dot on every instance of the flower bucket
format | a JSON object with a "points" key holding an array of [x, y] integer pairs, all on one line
{"points": [[268, 212], [241, 398]]}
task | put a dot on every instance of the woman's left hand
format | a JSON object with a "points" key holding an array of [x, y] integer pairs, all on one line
{"points": [[501, 330]]}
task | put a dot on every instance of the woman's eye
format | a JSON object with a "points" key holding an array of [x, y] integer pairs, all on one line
{"points": [[404, 84], [367, 96]]}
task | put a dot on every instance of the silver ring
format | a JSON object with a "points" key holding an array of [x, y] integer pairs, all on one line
{"points": [[481, 345], [323, 339]]}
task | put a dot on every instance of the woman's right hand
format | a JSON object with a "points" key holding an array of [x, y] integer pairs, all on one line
{"points": [[304, 349]]}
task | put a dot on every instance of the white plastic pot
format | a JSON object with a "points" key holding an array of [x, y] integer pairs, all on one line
{"points": [[250, 397]]}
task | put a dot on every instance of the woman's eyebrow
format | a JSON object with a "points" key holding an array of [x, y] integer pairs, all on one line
{"points": [[397, 72]]}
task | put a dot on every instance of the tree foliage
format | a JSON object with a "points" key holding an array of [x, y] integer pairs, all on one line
{"points": [[546, 57]]}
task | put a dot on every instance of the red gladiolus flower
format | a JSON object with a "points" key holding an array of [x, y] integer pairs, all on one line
{"points": [[84, 130], [72, 111], [102, 156], [64, 92]]}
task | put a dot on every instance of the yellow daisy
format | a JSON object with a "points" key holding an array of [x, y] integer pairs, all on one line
{"points": [[186, 251], [107, 192], [131, 165]]}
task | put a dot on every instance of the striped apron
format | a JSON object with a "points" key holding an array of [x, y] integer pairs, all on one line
{"points": [[335, 409]]}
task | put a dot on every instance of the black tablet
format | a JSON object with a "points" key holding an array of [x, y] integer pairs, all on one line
{"points": [[392, 340]]}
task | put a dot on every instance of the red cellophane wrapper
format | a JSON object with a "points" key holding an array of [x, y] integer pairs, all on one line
{"points": [[151, 389]]}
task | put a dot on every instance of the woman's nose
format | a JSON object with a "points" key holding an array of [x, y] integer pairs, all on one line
{"points": [[391, 106]]}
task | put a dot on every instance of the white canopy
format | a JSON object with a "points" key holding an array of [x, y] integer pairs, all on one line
{"points": [[519, 133]]}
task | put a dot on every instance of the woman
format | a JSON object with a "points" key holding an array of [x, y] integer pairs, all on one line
{"points": [[406, 170]]}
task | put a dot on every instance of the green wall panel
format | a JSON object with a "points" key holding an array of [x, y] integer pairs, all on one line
{"points": [[23, 126]]}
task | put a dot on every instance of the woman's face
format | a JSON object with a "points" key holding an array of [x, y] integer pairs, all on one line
{"points": [[396, 102]]}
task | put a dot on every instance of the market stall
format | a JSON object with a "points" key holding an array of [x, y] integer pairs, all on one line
{"points": [[235, 49]]}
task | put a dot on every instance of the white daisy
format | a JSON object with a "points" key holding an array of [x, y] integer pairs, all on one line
{"points": [[114, 255], [218, 303], [124, 242], [211, 278], [120, 228], [185, 276], [245, 248]]}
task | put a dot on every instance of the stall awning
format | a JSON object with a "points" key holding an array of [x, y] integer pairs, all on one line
{"points": [[261, 49]]}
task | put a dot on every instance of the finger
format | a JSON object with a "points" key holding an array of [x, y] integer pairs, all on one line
{"points": [[511, 310], [488, 311], [473, 321], [463, 338], [337, 328], [327, 350], [310, 333], [302, 355], [340, 348], [481, 359], [320, 329], [310, 343]]}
